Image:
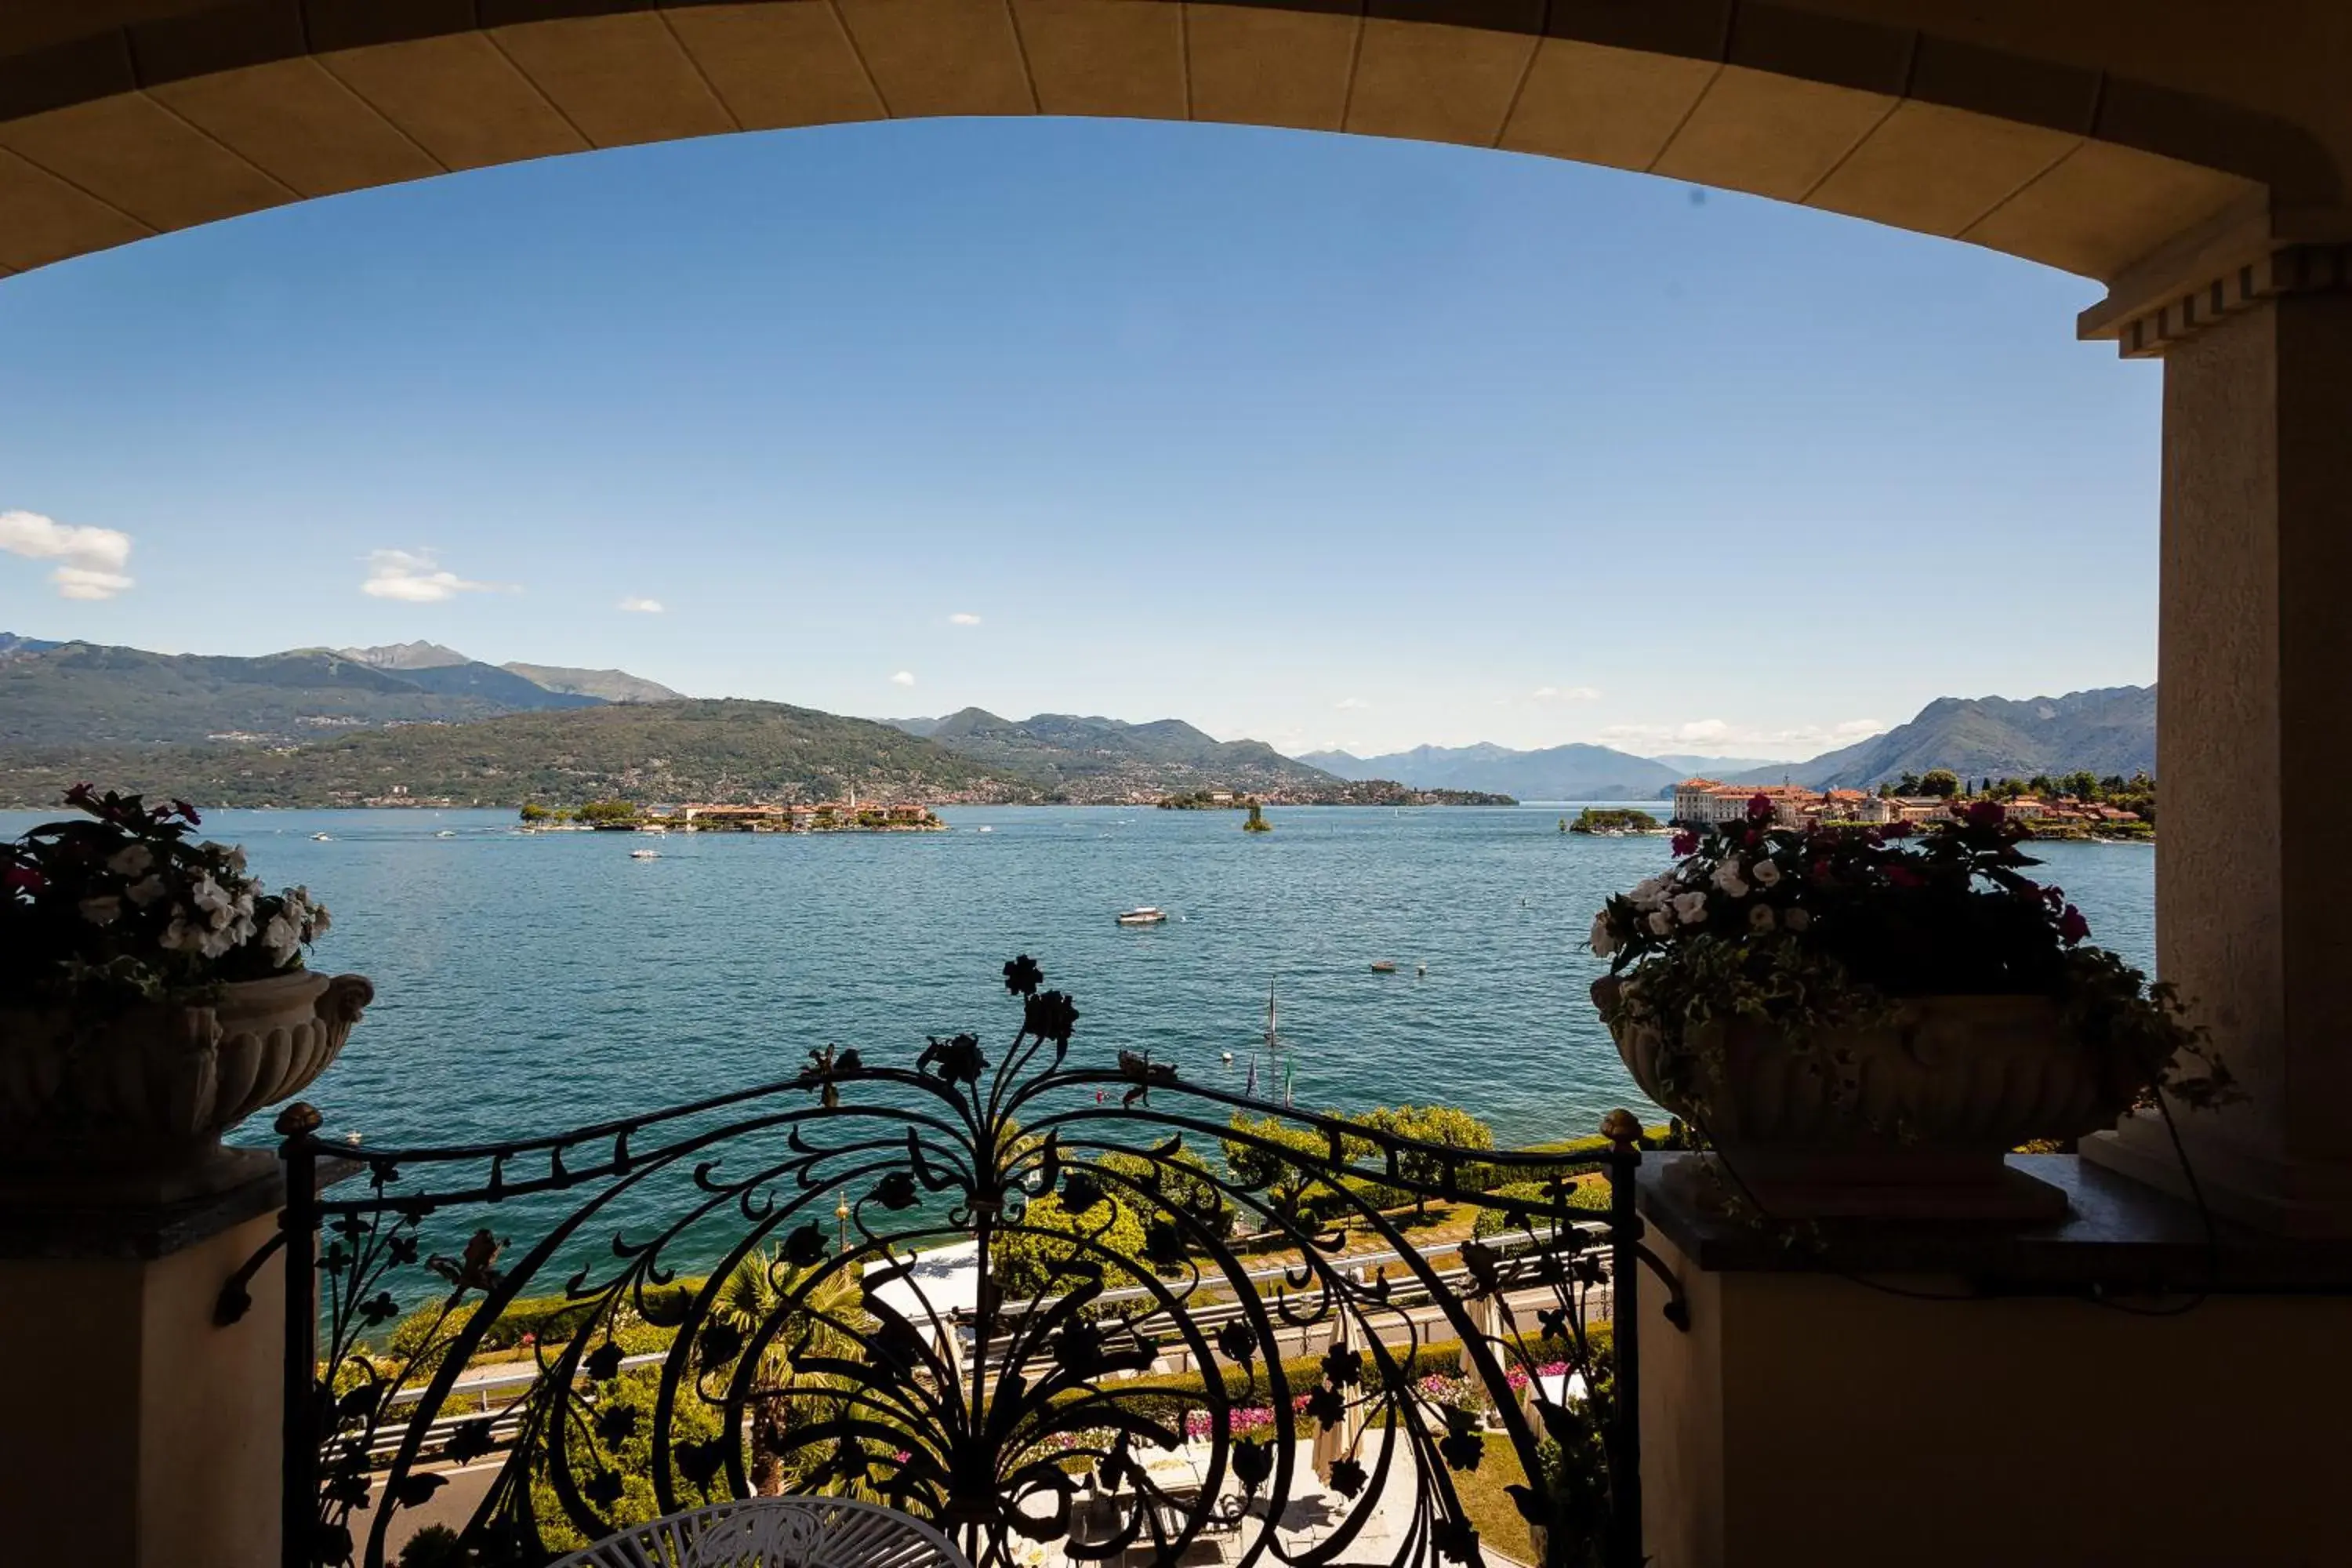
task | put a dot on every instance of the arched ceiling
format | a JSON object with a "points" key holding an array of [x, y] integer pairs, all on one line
{"points": [[2091, 140]]}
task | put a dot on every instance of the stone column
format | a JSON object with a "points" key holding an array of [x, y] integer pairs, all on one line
{"points": [[2255, 733], [140, 1431]]}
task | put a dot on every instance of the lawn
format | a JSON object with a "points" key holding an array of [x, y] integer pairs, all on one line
{"points": [[1500, 1528]]}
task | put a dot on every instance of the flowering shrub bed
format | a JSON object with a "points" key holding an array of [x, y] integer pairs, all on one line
{"points": [[121, 904], [1817, 929]]}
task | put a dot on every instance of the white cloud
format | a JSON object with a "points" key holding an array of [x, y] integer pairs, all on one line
{"points": [[90, 561], [1566, 694], [963, 618], [637, 606], [1351, 704], [904, 678], [414, 577]]}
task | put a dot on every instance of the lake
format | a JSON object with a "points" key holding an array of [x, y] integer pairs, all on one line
{"points": [[527, 983]]}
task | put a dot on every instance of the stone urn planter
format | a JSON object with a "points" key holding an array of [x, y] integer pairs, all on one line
{"points": [[128, 1107], [1939, 1095]]}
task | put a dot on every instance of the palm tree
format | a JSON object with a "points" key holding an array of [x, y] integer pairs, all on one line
{"points": [[819, 1325]]}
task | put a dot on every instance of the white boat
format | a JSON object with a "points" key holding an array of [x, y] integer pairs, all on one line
{"points": [[447, 833], [984, 830], [1145, 916], [644, 853], [321, 838]]}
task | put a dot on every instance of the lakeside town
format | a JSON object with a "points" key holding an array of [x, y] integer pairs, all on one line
{"points": [[2076, 805]]}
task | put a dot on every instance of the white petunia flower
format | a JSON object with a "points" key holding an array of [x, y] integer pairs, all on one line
{"points": [[183, 936], [1660, 922], [147, 890], [281, 936], [132, 860], [1759, 917], [1726, 876], [1767, 873], [210, 897], [1603, 941], [1690, 908], [1649, 892], [1798, 920], [103, 910]]}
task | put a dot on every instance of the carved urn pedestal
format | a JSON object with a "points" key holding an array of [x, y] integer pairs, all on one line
{"points": [[128, 1108], [1913, 1118]]}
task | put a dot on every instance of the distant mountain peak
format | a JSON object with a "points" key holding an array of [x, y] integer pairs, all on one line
{"points": [[404, 656], [1573, 772], [610, 684]]}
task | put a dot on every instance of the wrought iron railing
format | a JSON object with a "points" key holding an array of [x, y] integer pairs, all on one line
{"points": [[1156, 1332]]}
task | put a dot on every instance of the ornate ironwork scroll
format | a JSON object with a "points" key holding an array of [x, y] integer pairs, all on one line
{"points": [[1069, 1312]]}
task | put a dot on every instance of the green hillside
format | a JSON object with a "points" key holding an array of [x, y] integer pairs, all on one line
{"points": [[81, 693], [1106, 758], [719, 750]]}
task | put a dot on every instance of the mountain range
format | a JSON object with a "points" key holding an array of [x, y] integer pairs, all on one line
{"points": [[2111, 730], [81, 693], [685, 750], [1106, 758], [294, 728], [607, 685], [2108, 731], [1556, 773]]}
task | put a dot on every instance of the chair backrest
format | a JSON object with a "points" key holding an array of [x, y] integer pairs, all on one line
{"points": [[776, 1532]]}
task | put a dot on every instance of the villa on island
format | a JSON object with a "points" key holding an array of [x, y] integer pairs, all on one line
{"points": [[794, 817]]}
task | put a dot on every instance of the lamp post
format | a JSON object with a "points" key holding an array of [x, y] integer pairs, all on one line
{"points": [[841, 1221]]}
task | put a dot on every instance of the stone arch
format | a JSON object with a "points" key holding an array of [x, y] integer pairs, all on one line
{"points": [[122, 118]]}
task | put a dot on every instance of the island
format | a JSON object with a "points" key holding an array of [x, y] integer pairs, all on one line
{"points": [[1612, 822], [831, 816], [1358, 791]]}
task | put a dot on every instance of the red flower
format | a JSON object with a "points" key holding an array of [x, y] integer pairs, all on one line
{"points": [[2071, 926], [22, 880], [1901, 876], [1760, 808], [1684, 842], [1986, 814]]}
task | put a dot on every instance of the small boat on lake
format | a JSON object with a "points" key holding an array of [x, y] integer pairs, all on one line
{"points": [[1147, 915], [447, 833], [644, 853], [1384, 966], [322, 839]]}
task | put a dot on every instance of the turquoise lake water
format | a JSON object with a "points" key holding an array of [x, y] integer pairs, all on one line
{"points": [[529, 984]]}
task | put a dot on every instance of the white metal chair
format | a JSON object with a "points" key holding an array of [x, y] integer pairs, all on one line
{"points": [[776, 1532]]}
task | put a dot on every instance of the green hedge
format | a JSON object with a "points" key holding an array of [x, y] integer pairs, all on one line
{"points": [[1574, 1157], [1590, 1197], [1184, 1392]]}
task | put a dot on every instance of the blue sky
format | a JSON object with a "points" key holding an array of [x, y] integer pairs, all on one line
{"points": [[1318, 440]]}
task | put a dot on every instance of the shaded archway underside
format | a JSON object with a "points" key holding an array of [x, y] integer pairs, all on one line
{"points": [[2090, 148]]}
